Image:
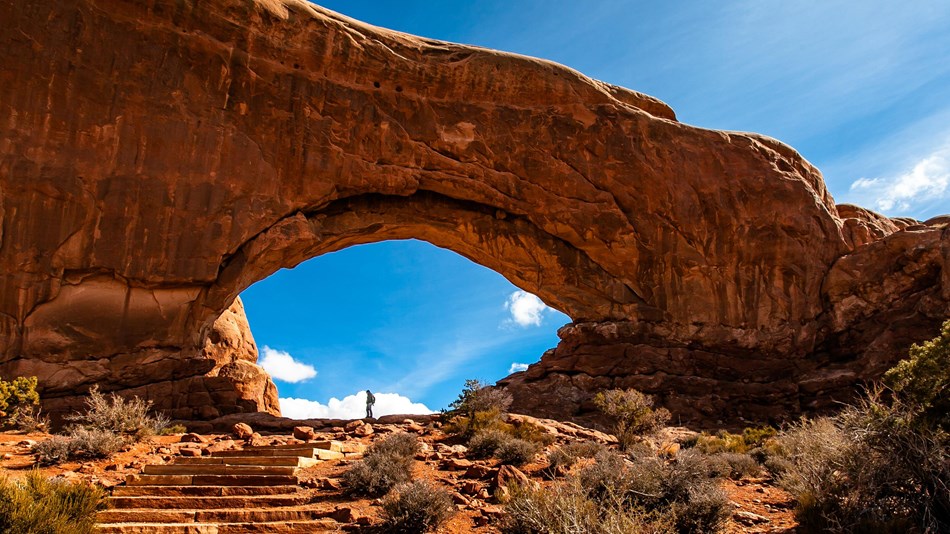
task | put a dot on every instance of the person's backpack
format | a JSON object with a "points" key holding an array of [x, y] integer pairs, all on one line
{"points": [[370, 398]]}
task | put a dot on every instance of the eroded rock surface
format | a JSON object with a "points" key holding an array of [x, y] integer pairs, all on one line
{"points": [[158, 157]]}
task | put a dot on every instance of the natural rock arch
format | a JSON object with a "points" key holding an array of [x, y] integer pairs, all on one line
{"points": [[158, 157]]}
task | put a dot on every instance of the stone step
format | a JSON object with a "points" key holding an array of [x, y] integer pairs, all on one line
{"points": [[199, 503], [306, 452], [311, 452], [282, 527], [201, 491], [211, 480], [296, 461], [218, 469], [223, 515], [330, 445]]}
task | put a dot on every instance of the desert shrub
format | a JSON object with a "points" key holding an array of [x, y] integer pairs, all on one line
{"points": [[478, 407], [30, 419], [872, 468], [632, 414], [679, 494], [485, 443], [706, 509], [386, 464], [416, 507], [564, 457], [923, 380], [16, 396], [563, 508], [607, 478], [739, 466], [121, 416], [94, 443], [109, 424], [477, 396], [399, 444], [79, 443], [41, 505], [517, 451], [54, 450], [568, 508], [880, 465]]}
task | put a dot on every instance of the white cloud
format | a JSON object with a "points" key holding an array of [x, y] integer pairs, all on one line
{"points": [[282, 366], [517, 367], [526, 309], [928, 180], [351, 407]]}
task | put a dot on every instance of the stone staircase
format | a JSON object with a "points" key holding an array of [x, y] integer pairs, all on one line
{"points": [[250, 490]]}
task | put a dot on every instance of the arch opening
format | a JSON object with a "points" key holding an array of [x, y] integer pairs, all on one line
{"points": [[406, 319]]}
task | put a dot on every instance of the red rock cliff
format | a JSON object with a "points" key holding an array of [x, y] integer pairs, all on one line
{"points": [[157, 157]]}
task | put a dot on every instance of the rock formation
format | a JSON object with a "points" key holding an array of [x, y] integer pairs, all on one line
{"points": [[157, 157]]}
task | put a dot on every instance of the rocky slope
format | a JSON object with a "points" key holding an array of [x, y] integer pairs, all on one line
{"points": [[157, 158], [314, 500]]}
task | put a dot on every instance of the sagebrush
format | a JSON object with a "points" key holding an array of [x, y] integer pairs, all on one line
{"points": [[416, 507], [386, 464], [108, 425], [632, 414], [38, 504], [881, 465]]}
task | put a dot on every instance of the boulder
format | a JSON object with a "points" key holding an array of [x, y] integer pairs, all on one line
{"points": [[305, 433], [242, 431]]}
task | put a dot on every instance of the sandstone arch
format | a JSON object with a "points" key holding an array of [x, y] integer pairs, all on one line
{"points": [[157, 157]]}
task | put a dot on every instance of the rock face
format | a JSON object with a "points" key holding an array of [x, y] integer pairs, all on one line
{"points": [[158, 157]]}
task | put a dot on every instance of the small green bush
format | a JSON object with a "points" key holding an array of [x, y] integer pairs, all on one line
{"points": [[386, 464], [478, 407], [632, 414], [923, 380], [41, 505], [416, 507], [17, 396], [517, 452]]}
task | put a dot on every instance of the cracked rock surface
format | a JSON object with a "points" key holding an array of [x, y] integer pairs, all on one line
{"points": [[158, 157]]}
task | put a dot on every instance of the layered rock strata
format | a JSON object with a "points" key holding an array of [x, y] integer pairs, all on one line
{"points": [[157, 157]]}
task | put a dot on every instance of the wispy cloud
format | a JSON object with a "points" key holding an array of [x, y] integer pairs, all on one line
{"points": [[350, 407], [282, 366], [517, 367], [525, 308], [926, 180]]}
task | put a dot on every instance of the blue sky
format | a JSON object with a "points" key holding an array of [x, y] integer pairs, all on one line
{"points": [[861, 89]]}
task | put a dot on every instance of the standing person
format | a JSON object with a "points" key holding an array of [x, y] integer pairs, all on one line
{"points": [[370, 401]]}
